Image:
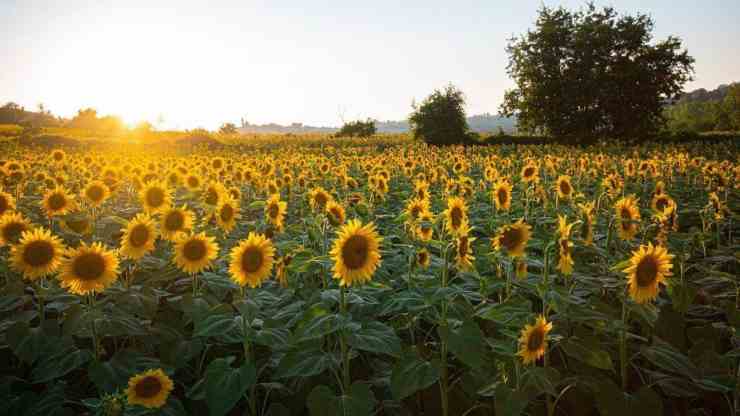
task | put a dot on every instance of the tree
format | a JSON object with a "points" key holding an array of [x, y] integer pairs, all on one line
{"points": [[358, 128], [593, 73], [440, 118], [731, 106], [228, 129]]}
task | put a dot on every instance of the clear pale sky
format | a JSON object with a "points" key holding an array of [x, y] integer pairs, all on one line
{"points": [[201, 63]]}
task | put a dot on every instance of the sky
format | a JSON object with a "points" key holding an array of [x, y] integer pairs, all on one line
{"points": [[201, 63]]}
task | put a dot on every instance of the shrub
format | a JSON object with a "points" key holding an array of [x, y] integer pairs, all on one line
{"points": [[358, 128], [440, 118]]}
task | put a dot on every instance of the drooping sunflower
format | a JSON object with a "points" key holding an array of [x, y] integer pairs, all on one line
{"points": [[155, 197], [275, 211], [227, 212], [628, 217], [37, 254], [12, 226], [318, 198], [533, 340], [423, 258], [194, 253], [58, 202], [149, 389], [95, 193], [175, 221], [252, 260], [563, 187], [513, 238], [587, 211], [88, 268], [7, 203], [463, 249], [565, 246], [456, 215], [649, 266], [335, 213], [139, 237], [502, 195], [356, 253]]}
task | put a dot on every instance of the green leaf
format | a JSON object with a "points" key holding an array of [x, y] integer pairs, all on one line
{"points": [[376, 337], [512, 313], [320, 326], [587, 352], [509, 402], [114, 374], [303, 363], [466, 342], [214, 325], [669, 359], [610, 399], [645, 402], [323, 402], [412, 374], [58, 365], [225, 385]]}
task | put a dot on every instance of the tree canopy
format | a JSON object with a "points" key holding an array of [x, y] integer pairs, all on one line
{"points": [[440, 118], [593, 73]]}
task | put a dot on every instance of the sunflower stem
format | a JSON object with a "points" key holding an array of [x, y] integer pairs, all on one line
{"points": [[346, 382], [546, 282], [444, 382], [93, 330], [623, 343]]}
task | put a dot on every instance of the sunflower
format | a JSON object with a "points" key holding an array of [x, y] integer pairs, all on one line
{"points": [[37, 254], [12, 226], [192, 182], [588, 210], [455, 215], [318, 198], [139, 237], [88, 268], [415, 207], [533, 340], [335, 213], [502, 195], [175, 221], [356, 253], [530, 173], [57, 202], [513, 238], [58, 155], [275, 211], [78, 225], [564, 187], [660, 202], [463, 249], [649, 266], [149, 389], [227, 212], [628, 216], [155, 197], [95, 193], [213, 193], [423, 258], [252, 260], [7, 203], [194, 253], [424, 228]]}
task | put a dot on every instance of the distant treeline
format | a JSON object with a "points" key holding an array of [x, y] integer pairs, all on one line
{"points": [[702, 110]]}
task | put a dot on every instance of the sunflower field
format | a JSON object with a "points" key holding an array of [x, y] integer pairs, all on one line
{"points": [[320, 276]]}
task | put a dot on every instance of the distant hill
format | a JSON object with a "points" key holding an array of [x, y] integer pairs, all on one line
{"points": [[481, 123], [702, 95]]}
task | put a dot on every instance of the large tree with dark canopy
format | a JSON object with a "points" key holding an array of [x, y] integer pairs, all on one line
{"points": [[593, 73]]}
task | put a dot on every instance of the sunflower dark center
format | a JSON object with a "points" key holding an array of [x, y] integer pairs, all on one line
{"points": [[320, 199], [528, 172], [355, 251], [4, 204], [647, 271], [12, 232], [38, 253], [95, 193], [226, 213], [536, 339], [415, 211], [89, 266], [57, 201], [194, 250], [193, 182], [148, 387], [155, 197], [511, 238], [211, 197], [565, 188], [139, 235], [251, 260], [502, 195], [661, 203], [456, 215], [462, 246], [174, 221], [273, 210]]}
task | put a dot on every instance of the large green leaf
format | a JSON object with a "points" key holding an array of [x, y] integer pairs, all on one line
{"points": [[359, 402], [304, 363], [376, 337], [214, 325], [587, 352], [225, 385], [509, 402], [412, 374], [467, 343]]}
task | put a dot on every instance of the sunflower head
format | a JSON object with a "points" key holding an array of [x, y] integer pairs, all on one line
{"points": [[95, 193], [628, 216], [563, 187], [88, 268], [275, 211], [318, 198], [513, 238], [356, 253], [533, 340], [456, 215], [155, 197], [502, 195], [58, 202], [252, 260], [149, 389], [7, 203], [648, 267], [335, 213], [227, 212], [175, 222], [139, 237], [12, 226], [194, 253], [37, 254], [423, 259]]}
